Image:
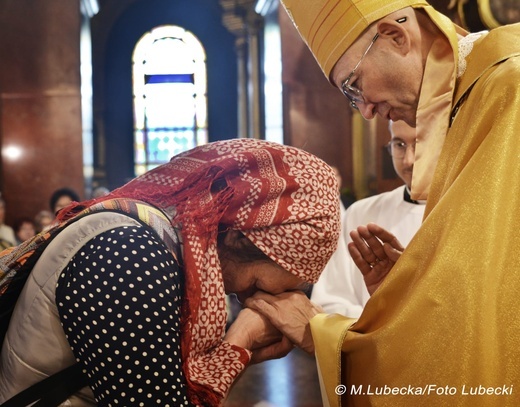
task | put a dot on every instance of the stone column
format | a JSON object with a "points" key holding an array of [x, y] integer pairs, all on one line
{"points": [[40, 113]]}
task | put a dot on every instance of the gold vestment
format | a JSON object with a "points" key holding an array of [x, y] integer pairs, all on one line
{"points": [[443, 328]]}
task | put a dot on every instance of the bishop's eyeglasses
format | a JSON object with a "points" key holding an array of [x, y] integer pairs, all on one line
{"points": [[353, 94]]}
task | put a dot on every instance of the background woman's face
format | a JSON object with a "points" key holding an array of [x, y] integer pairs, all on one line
{"points": [[61, 203], [26, 231]]}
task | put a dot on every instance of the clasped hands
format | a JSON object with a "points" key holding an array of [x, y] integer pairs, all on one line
{"points": [[272, 325]]}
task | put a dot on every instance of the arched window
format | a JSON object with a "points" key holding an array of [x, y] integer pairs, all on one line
{"points": [[170, 104]]}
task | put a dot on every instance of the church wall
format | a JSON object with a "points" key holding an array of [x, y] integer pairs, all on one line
{"points": [[40, 107]]}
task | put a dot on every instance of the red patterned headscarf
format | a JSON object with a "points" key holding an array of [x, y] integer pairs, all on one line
{"points": [[283, 199]]}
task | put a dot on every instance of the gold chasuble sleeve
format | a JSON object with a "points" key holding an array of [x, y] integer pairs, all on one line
{"points": [[328, 333], [443, 328]]}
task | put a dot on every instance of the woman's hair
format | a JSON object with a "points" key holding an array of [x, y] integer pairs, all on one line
{"points": [[56, 195], [242, 251], [20, 221]]}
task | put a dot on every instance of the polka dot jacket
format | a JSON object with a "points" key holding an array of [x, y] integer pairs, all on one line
{"points": [[119, 302]]}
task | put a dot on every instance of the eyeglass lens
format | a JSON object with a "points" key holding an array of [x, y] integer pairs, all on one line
{"points": [[397, 148]]}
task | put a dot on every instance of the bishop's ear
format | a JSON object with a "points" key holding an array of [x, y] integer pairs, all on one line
{"points": [[396, 32]]}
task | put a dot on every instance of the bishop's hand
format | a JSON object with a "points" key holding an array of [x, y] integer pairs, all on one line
{"points": [[375, 251]]}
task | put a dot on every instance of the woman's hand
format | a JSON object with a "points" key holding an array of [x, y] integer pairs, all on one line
{"points": [[254, 332], [375, 251], [290, 312]]}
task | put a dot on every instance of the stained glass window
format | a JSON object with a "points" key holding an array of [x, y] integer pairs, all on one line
{"points": [[170, 104], [273, 77]]}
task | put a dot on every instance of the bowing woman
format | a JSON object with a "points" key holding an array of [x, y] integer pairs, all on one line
{"points": [[131, 286]]}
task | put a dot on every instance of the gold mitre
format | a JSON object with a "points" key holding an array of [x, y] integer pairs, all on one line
{"points": [[330, 27]]}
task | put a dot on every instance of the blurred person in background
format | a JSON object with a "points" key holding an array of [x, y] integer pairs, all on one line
{"points": [[24, 229], [61, 198], [341, 288], [6, 232], [42, 220], [100, 191]]}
